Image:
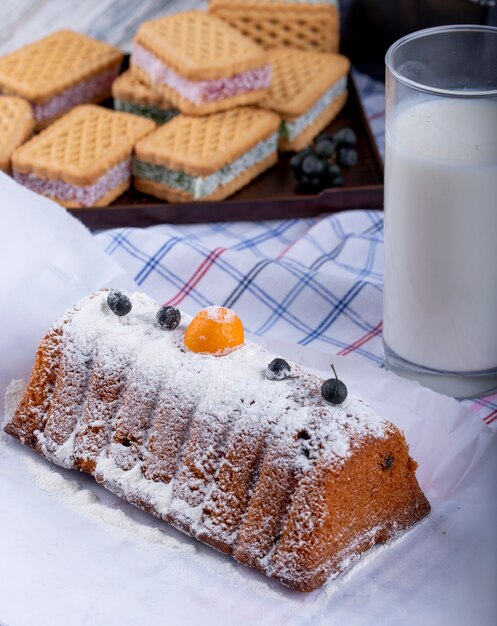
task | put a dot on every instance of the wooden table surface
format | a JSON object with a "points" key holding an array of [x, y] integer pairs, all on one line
{"points": [[114, 21]]}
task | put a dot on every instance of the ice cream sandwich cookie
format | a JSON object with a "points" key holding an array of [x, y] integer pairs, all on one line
{"points": [[307, 25], [83, 159], [16, 125], [199, 63], [131, 95], [59, 72], [206, 158], [308, 90]]}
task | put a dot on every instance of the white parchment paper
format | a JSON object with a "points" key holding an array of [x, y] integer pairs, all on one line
{"points": [[48, 260], [72, 554]]}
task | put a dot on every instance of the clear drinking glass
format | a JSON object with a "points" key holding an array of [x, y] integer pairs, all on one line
{"points": [[440, 293]]}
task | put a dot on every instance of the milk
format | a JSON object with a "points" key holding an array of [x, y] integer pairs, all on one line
{"points": [[440, 300]]}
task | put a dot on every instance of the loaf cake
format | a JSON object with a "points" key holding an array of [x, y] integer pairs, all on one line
{"points": [[307, 25], [308, 91], [206, 158], [199, 63], [59, 72], [84, 158], [185, 424]]}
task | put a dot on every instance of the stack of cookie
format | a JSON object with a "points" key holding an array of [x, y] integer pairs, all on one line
{"points": [[210, 71], [214, 76], [225, 96]]}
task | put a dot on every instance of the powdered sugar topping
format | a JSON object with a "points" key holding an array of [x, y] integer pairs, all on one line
{"points": [[219, 314], [217, 386]]}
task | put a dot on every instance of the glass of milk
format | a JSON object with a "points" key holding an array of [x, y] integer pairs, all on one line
{"points": [[440, 292]]}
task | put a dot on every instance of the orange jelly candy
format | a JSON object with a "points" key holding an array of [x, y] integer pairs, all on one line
{"points": [[214, 330]]}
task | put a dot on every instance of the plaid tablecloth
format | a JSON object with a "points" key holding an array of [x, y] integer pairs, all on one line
{"points": [[316, 282]]}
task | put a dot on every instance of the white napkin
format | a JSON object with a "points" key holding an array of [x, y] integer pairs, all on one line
{"points": [[48, 260]]}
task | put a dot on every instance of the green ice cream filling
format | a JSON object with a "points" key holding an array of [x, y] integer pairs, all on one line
{"points": [[202, 186], [291, 130], [158, 115]]}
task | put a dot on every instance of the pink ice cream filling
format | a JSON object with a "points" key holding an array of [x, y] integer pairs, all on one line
{"points": [[84, 91], [86, 195], [200, 91]]}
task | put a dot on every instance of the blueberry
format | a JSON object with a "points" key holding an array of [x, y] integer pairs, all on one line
{"points": [[333, 390], [347, 157], [313, 166], [119, 302], [168, 317], [296, 160], [317, 182], [325, 148], [338, 181], [324, 137], [345, 137], [332, 172], [278, 369], [310, 184]]}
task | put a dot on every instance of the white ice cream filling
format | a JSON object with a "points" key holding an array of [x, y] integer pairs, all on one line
{"points": [[290, 130], [203, 186]]}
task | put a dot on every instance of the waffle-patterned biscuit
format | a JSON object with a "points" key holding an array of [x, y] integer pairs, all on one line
{"points": [[300, 77], [129, 87], [234, 146], [78, 151], [60, 71], [263, 470], [308, 89], [275, 23], [132, 95], [16, 125], [199, 63]]}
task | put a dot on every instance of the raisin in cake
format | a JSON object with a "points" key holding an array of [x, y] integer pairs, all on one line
{"points": [[265, 470]]}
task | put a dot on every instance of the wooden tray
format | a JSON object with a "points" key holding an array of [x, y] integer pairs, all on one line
{"points": [[270, 196]]}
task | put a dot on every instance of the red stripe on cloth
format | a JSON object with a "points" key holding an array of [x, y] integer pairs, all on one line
{"points": [[491, 417], [196, 277], [285, 250], [360, 342], [376, 115]]}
